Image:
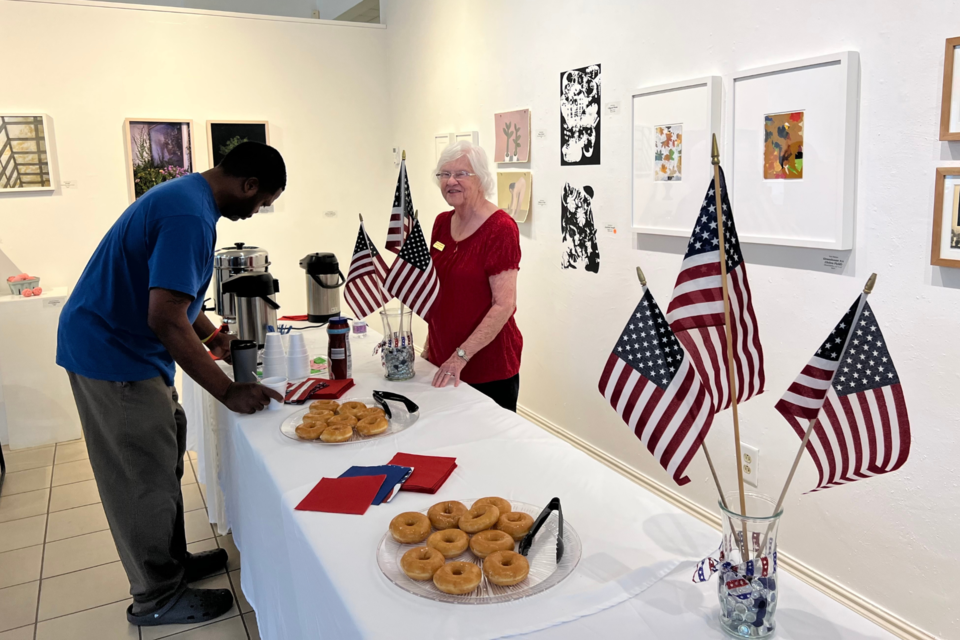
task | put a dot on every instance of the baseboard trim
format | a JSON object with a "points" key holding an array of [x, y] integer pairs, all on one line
{"points": [[870, 610]]}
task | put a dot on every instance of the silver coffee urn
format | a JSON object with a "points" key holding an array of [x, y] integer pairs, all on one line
{"points": [[256, 304], [230, 262], [324, 280]]}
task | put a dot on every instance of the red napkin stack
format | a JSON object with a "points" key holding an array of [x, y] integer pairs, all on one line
{"points": [[316, 389], [429, 472], [342, 495]]}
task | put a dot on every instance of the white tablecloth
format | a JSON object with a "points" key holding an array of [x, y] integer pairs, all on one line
{"points": [[315, 575]]}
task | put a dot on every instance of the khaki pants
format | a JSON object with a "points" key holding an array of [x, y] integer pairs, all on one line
{"points": [[136, 435]]}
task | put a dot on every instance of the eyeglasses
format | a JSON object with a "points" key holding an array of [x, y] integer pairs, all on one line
{"points": [[456, 175]]}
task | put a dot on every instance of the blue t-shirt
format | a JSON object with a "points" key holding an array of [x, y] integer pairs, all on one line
{"points": [[165, 239]]}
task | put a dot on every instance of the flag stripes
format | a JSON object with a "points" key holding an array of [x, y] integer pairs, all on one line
{"points": [[364, 290]]}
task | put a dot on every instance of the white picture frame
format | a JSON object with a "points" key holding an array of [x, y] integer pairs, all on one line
{"points": [[440, 142], [670, 207], [40, 167], [472, 137], [818, 209]]}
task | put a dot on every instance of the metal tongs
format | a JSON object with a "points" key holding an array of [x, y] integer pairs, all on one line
{"points": [[381, 397], [527, 542]]}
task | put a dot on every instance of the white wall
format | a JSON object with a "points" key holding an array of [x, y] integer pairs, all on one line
{"points": [[452, 65], [322, 87]]}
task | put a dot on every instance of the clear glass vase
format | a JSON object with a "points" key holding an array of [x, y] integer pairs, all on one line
{"points": [[396, 351], [747, 587]]}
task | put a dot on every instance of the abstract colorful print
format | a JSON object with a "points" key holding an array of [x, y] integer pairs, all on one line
{"points": [[783, 146], [667, 141]]}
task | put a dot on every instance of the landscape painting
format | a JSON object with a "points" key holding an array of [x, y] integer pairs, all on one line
{"points": [[783, 146], [512, 133], [160, 150]]}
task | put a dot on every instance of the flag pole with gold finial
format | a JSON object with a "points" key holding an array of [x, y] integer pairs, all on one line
{"points": [[731, 364], [703, 445]]}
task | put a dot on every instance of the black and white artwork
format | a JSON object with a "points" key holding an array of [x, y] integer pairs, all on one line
{"points": [[580, 250], [580, 116]]}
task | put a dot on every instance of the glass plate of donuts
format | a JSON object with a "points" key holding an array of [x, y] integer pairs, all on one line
{"points": [[544, 570], [399, 420]]}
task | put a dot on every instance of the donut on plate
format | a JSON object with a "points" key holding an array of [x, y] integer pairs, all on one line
{"points": [[372, 425], [516, 523], [410, 527], [505, 568], [449, 542], [337, 433], [499, 503], [446, 515], [421, 563], [457, 577], [490, 541], [478, 518]]}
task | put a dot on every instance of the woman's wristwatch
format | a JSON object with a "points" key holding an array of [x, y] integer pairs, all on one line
{"points": [[462, 354]]}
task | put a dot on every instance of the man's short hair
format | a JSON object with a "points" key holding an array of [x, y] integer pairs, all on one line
{"points": [[257, 160]]}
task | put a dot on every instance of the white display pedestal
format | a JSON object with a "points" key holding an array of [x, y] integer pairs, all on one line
{"points": [[37, 399]]}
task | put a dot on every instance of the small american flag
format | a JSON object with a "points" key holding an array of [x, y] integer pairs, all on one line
{"points": [[852, 389], [412, 277], [652, 385], [401, 215], [696, 310], [364, 290]]}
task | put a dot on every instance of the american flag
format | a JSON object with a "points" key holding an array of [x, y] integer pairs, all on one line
{"points": [[364, 290], [852, 389], [696, 310], [412, 277], [652, 385], [401, 215]]}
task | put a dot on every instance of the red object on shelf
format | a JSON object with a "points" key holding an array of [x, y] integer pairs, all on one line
{"points": [[302, 318], [343, 495], [429, 472]]}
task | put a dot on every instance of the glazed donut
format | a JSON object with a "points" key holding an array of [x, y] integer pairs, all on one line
{"points": [[446, 515], [478, 518], [349, 408], [421, 563], [410, 528], [449, 542], [499, 503], [337, 433], [457, 577], [325, 405], [320, 414], [372, 426], [505, 568], [372, 411], [348, 420], [490, 541], [516, 523], [310, 432], [315, 419]]}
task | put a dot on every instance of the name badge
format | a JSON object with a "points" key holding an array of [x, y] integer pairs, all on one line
{"points": [[438, 246]]}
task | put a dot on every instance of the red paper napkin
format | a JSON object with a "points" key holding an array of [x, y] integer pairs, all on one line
{"points": [[429, 472], [343, 495], [316, 389]]}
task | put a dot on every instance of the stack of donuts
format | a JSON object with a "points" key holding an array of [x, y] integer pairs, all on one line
{"points": [[489, 528], [330, 421]]}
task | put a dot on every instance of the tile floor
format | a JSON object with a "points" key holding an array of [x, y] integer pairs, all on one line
{"points": [[60, 576]]}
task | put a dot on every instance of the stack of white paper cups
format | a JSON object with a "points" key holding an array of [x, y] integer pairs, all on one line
{"points": [[298, 361], [274, 359]]}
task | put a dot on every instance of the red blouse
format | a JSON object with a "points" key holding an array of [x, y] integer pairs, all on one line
{"points": [[464, 269]]}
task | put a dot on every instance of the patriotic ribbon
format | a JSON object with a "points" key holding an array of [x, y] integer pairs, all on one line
{"points": [[761, 567]]}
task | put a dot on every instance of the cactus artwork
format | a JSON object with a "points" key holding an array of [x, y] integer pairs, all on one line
{"points": [[513, 136]]}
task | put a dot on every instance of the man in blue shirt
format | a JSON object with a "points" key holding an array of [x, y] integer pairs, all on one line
{"points": [[136, 311]]}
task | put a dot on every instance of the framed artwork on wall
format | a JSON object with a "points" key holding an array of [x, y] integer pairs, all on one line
{"points": [[791, 157], [673, 126], [950, 100], [511, 130], [514, 189], [157, 151], [224, 135], [24, 153], [580, 116], [945, 246], [440, 142]]}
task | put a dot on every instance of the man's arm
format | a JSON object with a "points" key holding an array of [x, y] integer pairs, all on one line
{"points": [[167, 317]]}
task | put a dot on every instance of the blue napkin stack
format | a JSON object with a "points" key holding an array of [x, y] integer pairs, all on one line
{"points": [[395, 477]]}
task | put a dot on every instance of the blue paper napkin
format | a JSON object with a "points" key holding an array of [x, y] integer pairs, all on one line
{"points": [[395, 477]]}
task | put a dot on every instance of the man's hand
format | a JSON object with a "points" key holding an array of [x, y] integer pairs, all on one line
{"points": [[248, 397], [220, 346]]}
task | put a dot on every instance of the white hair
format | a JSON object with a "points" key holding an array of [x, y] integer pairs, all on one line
{"points": [[478, 161]]}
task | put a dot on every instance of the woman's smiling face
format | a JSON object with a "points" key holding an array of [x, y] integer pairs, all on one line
{"points": [[459, 192]]}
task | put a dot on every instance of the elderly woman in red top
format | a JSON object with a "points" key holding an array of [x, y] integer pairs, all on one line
{"points": [[476, 251]]}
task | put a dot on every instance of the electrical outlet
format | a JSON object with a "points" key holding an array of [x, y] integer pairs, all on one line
{"points": [[750, 461]]}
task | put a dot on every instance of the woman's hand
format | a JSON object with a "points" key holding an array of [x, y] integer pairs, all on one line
{"points": [[449, 371]]}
